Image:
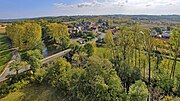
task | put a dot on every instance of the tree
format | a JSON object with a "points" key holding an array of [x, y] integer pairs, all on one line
{"points": [[158, 44], [64, 79], [16, 34], [127, 74], [99, 81], [17, 65], [164, 82], [39, 74], [138, 91], [57, 74], [148, 45], [25, 36], [136, 42], [177, 86], [89, 48], [58, 33], [75, 46], [33, 57], [175, 47], [79, 59], [124, 42], [109, 39]]}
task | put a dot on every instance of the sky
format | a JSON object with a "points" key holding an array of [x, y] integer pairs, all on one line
{"points": [[10, 9]]}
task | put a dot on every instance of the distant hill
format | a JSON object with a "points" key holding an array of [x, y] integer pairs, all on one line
{"points": [[170, 18], [173, 18]]}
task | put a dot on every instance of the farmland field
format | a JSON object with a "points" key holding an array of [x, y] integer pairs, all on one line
{"points": [[2, 30]]}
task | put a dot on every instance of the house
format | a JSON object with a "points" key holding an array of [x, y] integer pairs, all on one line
{"points": [[166, 34]]}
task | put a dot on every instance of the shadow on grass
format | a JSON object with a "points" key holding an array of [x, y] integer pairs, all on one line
{"points": [[35, 92]]}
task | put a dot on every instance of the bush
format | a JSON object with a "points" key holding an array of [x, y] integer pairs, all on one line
{"points": [[138, 91]]}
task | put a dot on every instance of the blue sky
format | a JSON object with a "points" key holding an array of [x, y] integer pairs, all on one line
{"points": [[38, 8]]}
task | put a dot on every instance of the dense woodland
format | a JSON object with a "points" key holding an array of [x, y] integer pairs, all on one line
{"points": [[131, 65]]}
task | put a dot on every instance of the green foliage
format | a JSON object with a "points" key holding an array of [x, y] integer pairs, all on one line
{"points": [[89, 48], [148, 41], [75, 46], [123, 44], [59, 75], [33, 57], [17, 65], [103, 53], [79, 59], [25, 36], [109, 39], [5, 53], [164, 82], [175, 47], [175, 41], [138, 91], [58, 34], [127, 74], [39, 74], [99, 81], [19, 85], [33, 92], [177, 85], [91, 34]]}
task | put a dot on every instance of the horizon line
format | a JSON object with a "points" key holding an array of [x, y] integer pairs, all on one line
{"points": [[35, 17]]}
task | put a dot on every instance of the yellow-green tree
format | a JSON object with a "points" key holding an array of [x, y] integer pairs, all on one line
{"points": [[175, 46], [17, 65], [136, 42], [25, 36], [138, 91], [58, 34], [109, 39], [148, 44]]}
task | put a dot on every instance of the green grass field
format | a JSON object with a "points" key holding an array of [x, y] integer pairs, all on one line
{"points": [[32, 93], [5, 56]]}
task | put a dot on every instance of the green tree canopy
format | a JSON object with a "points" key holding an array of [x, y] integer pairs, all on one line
{"points": [[58, 34], [109, 39], [175, 46], [33, 57], [25, 36], [138, 91], [89, 48], [99, 82]]}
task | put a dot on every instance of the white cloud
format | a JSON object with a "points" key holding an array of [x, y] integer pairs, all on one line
{"points": [[120, 7], [93, 3]]}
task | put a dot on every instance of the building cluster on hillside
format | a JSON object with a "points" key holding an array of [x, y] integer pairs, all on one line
{"points": [[161, 32], [89, 30], [87, 27]]}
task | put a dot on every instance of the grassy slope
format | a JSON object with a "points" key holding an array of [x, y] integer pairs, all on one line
{"points": [[32, 93], [5, 56]]}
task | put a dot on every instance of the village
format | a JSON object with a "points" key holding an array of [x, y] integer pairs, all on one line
{"points": [[87, 31]]}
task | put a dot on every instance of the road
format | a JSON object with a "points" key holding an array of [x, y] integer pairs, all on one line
{"points": [[57, 55], [44, 61]]}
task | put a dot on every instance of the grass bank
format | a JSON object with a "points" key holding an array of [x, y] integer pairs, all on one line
{"points": [[5, 54], [33, 93]]}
